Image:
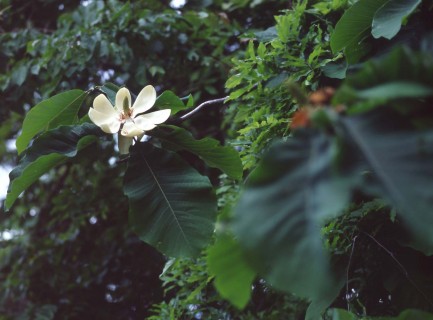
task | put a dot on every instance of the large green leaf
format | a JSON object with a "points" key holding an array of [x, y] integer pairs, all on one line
{"points": [[399, 158], [59, 110], [171, 206], [209, 150], [48, 150], [168, 100], [387, 20], [353, 27], [280, 213], [233, 275]]}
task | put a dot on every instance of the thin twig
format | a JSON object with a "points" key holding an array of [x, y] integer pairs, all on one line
{"points": [[200, 106], [348, 271]]}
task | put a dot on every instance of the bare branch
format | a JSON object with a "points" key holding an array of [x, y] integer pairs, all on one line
{"points": [[200, 106], [348, 296]]}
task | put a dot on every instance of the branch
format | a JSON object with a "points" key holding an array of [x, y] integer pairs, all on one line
{"points": [[348, 295], [201, 106]]}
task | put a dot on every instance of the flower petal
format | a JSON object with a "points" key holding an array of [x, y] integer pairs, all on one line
{"points": [[120, 97], [130, 129], [103, 105], [145, 100], [106, 122], [156, 117], [124, 143]]}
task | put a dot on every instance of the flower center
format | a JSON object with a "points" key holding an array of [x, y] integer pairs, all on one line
{"points": [[127, 112]]}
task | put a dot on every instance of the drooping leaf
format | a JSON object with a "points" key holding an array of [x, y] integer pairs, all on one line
{"points": [[47, 151], [209, 150], [353, 27], [387, 20], [399, 159], [59, 110], [171, 206], [233, 275], [280, 213], [168, 100]]}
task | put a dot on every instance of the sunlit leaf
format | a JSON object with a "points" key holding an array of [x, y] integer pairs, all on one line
{"points": [[59, 110], [233, 275], [168, 100]]}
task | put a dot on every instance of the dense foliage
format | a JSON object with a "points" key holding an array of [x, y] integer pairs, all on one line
{"points": [[307, 192]]}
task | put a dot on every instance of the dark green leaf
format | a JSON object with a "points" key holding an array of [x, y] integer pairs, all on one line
{"points": [[168, 100], [353, 27], [266, 35], [396, 90], [110, 90], [400, 160], [379, 81], [233, 276], [59, 110], [190, 102], [280, 213], [19, 74], [335, 70], [171, 206], [209, 150], [48, 150], [387, 20]]}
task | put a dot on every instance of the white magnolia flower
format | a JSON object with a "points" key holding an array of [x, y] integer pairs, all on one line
{"points": [[125, 118]]}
